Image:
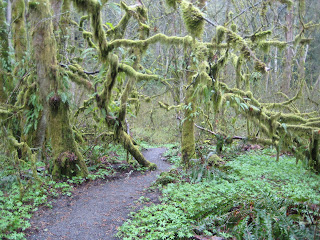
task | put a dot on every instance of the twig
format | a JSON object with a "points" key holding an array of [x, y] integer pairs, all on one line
{"points": [[204, 129], [209, 21], [213, 133], [243, 11]]}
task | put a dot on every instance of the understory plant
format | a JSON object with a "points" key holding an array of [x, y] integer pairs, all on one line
{"points": [[251, 197], [21, 193]]}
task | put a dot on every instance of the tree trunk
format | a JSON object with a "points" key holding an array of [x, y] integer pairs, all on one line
{"points": [[4, 53], [188, 139], [287, 73], [19, 32], [314, 152], [187, 136], [67, 160]]}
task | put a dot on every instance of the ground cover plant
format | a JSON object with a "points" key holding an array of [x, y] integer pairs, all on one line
{"points": [[82, 81], [250, 197], [21, 195]]}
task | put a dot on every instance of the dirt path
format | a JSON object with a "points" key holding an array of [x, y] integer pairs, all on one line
{"points": [[96, 212]]}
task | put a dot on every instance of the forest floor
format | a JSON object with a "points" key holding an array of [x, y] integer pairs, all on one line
{"points": [[95, 210]]}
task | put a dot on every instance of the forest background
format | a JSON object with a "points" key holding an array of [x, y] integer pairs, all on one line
{"points": [[78, 74]]}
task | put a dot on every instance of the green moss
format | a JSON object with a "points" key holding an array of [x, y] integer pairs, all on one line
{"points": [[118, 31], [214, 160], [265, 45], [302, 7], [220, 34], [57, 111], [288, 2], [172, 3], [260, 35], [68, 161], [233, 27], [5, 65], [193, 19], [304, 41], [82, 20], [143, 43], [93, 7], [33, 5], [167, 177], [232, 38], [260, 67], [19, 29]]}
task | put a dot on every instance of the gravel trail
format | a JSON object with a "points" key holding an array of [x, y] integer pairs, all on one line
{"points": [[95, 212]]}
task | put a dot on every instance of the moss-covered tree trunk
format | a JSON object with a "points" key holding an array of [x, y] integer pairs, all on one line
{"points": [[19, 32], [188, 138], [67, 160], [4, 52], [314, 146]]}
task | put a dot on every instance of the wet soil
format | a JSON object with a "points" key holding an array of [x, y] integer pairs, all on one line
{"points": [[96, 210]]}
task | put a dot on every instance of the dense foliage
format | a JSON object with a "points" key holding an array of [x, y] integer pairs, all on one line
{"points": [[82, 76], [250, 197]]}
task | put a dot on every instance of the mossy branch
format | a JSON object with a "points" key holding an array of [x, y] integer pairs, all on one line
{"points": [[186, 41], [168, 107], [77, 75], [32, 156], [285, 103], [137, 75]]}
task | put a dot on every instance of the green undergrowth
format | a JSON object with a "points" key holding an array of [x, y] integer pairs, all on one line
{"points": [[21, 195], [250, 197]]}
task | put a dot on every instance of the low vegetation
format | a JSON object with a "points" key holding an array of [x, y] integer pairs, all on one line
{"points": [[249, 197], [21, 195]]}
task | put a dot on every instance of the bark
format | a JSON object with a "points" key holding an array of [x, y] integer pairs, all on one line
{"points": [[56, 7], [67, 160], [8, 12]]}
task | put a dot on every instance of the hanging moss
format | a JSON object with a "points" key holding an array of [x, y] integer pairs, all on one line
{"points": [[260, 35], [305, 41], [93, 7], [245, 51], [239, 76], [289, 3], [232, 38], [264, 9], [265, 45], [172, 3], [193, 19], [260, 67], [220, 34], [234, 27]]}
